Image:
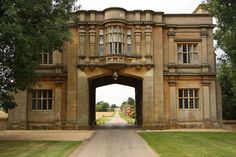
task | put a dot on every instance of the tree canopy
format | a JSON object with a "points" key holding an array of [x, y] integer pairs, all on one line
{"points": [[102, 106], [225, 13], [28, 28], [225, 78]]}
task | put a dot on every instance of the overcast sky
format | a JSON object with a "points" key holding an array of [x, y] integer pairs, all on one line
{"points": [[116, 94], [168, 6]]}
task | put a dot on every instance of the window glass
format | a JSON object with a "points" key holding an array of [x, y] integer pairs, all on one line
{"points": [[41, 100], [188, 99]]}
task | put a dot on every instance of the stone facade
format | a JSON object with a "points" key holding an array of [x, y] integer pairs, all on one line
{"points": [[168, 58]]}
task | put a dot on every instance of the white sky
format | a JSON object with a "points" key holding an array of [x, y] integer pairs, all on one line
{"points": [[116, 94], [168, 6]]}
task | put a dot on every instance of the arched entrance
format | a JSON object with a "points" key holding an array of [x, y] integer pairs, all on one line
{"points": [[107, 80]]}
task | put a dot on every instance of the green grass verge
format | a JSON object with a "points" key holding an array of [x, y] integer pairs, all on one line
{"points": [[127, 119], [37, 148], [192, 144]]}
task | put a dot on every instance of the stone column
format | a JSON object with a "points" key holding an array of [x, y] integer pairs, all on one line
{"points": [[57, 104], [82, 36], [92, 40], [148, 101], [158, 78], [204, 46], [171, 44], [206, 104], [148, 37], [72, 88], [173, 105], [83, 100], [137, 35]]}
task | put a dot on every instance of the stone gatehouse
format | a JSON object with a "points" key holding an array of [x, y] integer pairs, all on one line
{"points": [[168, 58]]}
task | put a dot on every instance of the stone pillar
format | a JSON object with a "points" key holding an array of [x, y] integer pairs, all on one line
{"points": [[57, 104], [148, 101], [82, 36], [148, 37], [158, 78], [137, 35], [83, 100], [171, 44], [206, 104], [72, 88], [92, 40], [204, 46], [173, 105]]}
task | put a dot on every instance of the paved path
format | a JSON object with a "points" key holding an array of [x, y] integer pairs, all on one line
{"points": [[115, 142]]}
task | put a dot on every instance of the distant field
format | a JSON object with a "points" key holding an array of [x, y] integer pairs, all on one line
{"points": [[103, 117], [105, 114], [192, 144]]}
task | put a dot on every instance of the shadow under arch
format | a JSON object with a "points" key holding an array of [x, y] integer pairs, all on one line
{"points": [[107, 80]]}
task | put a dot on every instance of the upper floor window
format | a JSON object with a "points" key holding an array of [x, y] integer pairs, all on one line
{"points": [[41, 100], [188, 99], [129, 42], [115, 39], [101, 42], [187, 53], [46, 58]]}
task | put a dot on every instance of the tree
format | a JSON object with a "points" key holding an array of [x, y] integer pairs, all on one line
{"points": [[113, 106], [27, 29], [225, 13], [102, 106], [228, 95], [131, 101]]}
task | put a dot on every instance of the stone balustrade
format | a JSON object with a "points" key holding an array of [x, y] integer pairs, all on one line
{"points": [[115, 60]]}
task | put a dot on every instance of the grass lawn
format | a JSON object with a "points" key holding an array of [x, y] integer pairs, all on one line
{"points": [[127, 119], [192, 144], [37, 148]]}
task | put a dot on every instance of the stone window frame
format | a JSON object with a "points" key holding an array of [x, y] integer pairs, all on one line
{"points": [[187, 52], [42, 100], [46, 58], [115, 39], [188, 100], [129, 41], [101, 42]]}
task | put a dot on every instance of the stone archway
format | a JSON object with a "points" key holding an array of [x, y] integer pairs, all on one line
{"points": [[123, 80]]}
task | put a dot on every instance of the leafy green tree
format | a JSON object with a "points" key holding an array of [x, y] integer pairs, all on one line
{"points": [[131, 101], [225, 13], [113, 106], [102, 106], [228, 96], [28, 28]]}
